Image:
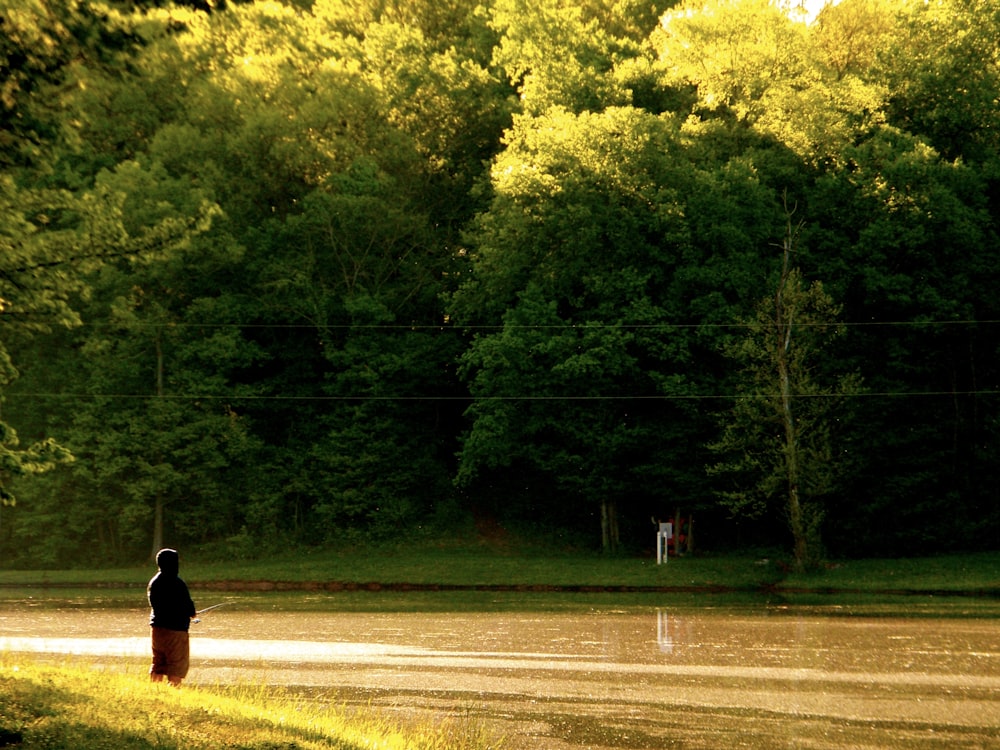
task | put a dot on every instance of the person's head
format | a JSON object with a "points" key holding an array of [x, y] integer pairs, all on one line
{"points": [[168, 561]]}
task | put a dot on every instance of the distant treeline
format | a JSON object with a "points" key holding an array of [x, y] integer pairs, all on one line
{"points": [[278, 274]]}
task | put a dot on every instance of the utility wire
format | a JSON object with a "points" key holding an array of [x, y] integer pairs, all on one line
{"points": [[659, 397], [457, 327]]}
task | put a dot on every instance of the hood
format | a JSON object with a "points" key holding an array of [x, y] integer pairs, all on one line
{"points": [[168, 561]]}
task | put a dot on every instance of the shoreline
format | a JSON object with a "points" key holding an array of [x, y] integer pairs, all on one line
{"points": [[402, 586]]}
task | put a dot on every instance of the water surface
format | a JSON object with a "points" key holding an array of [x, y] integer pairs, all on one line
{"points": [[630, 677]]}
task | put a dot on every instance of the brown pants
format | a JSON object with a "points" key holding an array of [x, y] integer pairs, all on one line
{"points": [[171, 653]]}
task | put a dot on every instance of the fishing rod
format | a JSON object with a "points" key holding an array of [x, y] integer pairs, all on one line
{"points": [[196, 617]]}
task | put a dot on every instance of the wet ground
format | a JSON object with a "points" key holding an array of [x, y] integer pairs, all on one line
{"points": [[632, 677]]}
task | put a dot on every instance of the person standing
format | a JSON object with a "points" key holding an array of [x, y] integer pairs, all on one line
{"points": [[171, 611]]}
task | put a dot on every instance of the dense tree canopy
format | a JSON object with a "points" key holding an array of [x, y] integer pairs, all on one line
{"points": [[291, 272]]}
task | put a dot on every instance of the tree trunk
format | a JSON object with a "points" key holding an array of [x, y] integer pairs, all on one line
{"points": [[157, 526], [795, 519], [158, 504], [784, 317], [609, 526], [605, 531], [677, 532]]}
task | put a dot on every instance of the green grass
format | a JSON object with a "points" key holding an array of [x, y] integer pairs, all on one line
{"points": [[971, 573], [453, 568], [427, 567], [87, 709], [483, 568]]}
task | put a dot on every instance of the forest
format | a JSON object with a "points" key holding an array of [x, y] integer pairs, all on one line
{"points": [[318, 272]]}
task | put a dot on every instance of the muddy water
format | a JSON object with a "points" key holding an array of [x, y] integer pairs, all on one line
{"points": [[614, 678]]}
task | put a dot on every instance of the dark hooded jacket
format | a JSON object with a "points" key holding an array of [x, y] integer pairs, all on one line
{"points": [[169, 599]]}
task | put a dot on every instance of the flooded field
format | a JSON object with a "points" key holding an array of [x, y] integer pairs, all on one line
{"points": [[632, 677]]}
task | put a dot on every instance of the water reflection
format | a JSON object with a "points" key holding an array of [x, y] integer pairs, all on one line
{"points": [[618, 678], [663, 635]]}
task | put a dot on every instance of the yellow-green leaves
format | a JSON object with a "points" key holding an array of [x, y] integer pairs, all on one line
{"points": [[750, 61], [736, 52]]}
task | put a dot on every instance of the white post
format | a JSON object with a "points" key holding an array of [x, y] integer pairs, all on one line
{"points": [[663, 537]]}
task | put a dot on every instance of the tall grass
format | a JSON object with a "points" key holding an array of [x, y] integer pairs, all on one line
{"points": [[72, 706]]}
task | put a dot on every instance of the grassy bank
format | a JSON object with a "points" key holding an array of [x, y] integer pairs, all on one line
{"points": [[430, 566], [978, 573], [85, 709], [431, 580]]}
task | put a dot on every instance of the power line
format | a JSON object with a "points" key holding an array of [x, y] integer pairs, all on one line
{"points": [[456, 327], [469, 398]]}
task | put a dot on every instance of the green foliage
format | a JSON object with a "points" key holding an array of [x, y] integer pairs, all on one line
{"points": [[577, 246], [736, 54], [906, 222], [558, 57], [778, 443], [43, 45], [943, 67], [284, 271], [51, 240]]}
